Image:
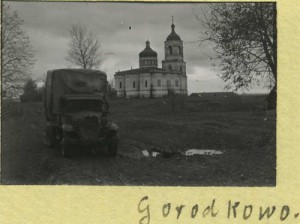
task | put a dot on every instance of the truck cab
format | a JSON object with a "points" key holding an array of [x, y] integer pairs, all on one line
{"points": [[80, 116]]}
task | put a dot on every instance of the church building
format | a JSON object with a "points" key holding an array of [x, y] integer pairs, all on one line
{"points": [[150, 81]]}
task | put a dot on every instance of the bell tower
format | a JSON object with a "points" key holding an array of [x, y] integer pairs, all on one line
{"points": [[173, 62]]}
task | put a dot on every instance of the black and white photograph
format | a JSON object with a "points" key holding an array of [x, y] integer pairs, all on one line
{"points": [[139, 93]]}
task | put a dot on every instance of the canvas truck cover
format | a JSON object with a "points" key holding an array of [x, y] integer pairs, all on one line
{"points": [[71, 81]]}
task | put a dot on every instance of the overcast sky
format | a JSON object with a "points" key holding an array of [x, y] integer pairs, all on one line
{"points": [[48, 24]]}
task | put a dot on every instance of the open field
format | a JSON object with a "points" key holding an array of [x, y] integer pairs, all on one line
{"points": [[236, 125]]}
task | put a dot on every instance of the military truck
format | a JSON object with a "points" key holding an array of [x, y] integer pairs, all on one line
{"points": [[76, 110]]}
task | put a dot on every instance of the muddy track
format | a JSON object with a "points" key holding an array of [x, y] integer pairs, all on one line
{"points": [[35, 163]]}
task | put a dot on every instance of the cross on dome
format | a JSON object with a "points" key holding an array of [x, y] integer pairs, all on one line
{"points": [[173, 35]]}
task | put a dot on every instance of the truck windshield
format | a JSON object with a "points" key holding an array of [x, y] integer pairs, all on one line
{"points": [[83, 105]]}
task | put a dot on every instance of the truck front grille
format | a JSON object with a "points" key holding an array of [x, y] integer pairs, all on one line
{"points": [[88, 129]]}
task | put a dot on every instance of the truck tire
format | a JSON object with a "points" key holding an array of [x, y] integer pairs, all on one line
{"points": [[113, 145]]}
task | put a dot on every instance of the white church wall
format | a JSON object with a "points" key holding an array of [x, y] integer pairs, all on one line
{"points": [[119, 85], [183, 89], [170, 82], [145, 85], [157, 82], [132, 85]]}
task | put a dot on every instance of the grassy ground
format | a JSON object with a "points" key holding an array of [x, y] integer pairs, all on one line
{"points": [[152, 123], [237, 125]]}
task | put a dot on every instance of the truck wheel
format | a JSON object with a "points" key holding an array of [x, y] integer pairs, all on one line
{"points": [[113, 145]]}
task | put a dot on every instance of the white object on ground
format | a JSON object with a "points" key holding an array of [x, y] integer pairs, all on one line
{"points": [[148, 153], [210, 152], [154, 154], [145, 153]]}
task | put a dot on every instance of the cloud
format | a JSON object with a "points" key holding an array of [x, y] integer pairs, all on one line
{"points": [[48, 24]]}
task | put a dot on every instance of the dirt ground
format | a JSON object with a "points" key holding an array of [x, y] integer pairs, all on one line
{"points": [[238, 126]]}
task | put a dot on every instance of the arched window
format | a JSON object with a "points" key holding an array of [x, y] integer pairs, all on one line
{"points": [[159, 83], [146, 84], [120, 85], [180, 50], [170, 50], [133, 84], [170, 67], [168, 83], [176, 83], [180, 68]]}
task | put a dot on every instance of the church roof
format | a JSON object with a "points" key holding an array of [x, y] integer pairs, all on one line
{"points": [[173, 35], [141, 70], [148, 52]]}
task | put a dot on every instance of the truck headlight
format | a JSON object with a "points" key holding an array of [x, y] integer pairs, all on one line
{"points": [[67, 128]]}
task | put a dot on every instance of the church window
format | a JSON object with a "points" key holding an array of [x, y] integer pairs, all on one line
{"points": [[170, 67], [176, 83], [180, 68], [180, 50], [168, 83], [146, 84], [133, 84], [120, 85], [159, 83], [170, 50]]}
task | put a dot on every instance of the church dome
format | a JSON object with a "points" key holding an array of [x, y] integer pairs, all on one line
{"points": [[173, 35], [148, 52]]}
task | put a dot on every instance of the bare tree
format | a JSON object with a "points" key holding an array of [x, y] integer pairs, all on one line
{"points": [[84, 48], [17, 53], [245, 38], [31, 92]]}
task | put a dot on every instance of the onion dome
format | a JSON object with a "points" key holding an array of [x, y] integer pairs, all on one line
{"points": [[173, 35], [148, 52]]}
